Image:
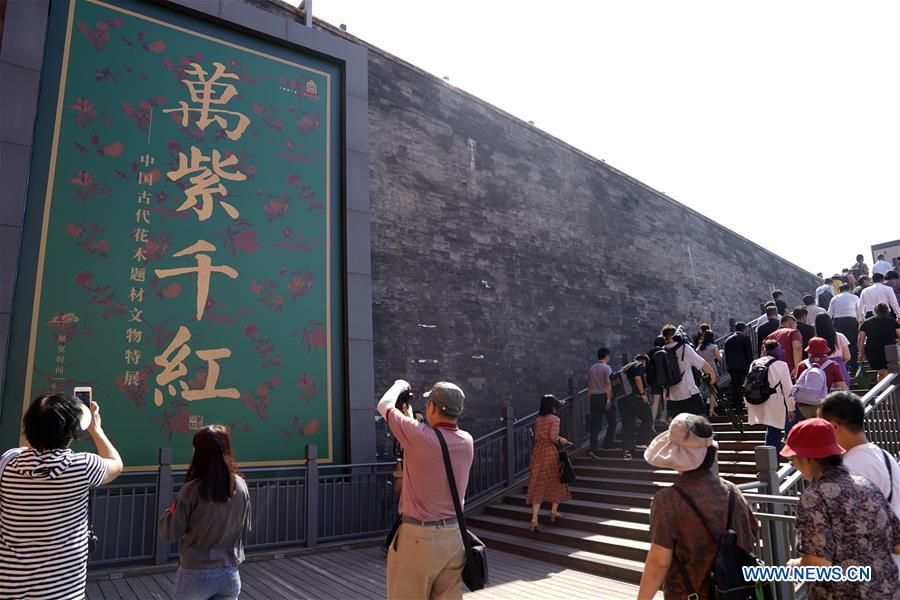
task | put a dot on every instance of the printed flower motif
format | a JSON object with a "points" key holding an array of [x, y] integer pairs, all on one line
{"points": [[157, 46], [84, 280], [245, 241], [308, 387], [170, 291], [74, 231], [301, 284], [85, 113], [114, 149], [251, 330], [83, 179], [313, 336]]}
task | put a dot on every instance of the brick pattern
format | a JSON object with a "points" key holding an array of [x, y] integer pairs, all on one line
{"points": [[502, 258]]}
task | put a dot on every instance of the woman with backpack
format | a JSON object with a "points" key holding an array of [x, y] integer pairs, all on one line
{"points": [[838, 344], [816, 376], [688, 518], [841, 519], [767, 391], [210, 516]]}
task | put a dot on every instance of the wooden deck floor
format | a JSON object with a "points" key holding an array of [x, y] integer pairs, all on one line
{"points": [[359, 573]]}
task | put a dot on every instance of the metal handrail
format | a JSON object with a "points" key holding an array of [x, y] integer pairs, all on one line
{"points": [[790, 477]]}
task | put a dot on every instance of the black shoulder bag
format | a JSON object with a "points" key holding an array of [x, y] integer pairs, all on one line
{"points": [[887, 463], [475, 571]]}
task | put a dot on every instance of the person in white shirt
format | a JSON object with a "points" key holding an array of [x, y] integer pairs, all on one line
{"points": [[845, 412], [825, 287], [882, 266], [812, 311], [684, 396], [778, 409], [875, 294]]}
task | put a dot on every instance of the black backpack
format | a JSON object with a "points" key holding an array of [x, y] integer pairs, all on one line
{"points": [[664, 369], [756, 386], [620, 381], [825, 299], [726, 577]]}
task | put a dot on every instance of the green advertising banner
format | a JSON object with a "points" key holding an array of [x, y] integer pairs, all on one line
{"points": [[189, 264]]}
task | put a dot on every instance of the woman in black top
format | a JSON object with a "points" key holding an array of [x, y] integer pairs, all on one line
{"points": [[875, 333]]}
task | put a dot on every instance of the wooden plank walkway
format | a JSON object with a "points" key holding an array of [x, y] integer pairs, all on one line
{"points": [[359, 573]]}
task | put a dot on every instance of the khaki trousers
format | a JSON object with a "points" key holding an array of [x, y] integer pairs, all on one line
{"points": [[425, 563]]}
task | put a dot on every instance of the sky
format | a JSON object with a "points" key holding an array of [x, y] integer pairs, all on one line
{"points": [[778, 120]]}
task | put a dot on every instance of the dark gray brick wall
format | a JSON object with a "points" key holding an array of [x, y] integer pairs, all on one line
{"points": [[503, 258]]}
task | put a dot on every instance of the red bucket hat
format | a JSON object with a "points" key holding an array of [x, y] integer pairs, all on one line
{"points": [[817, 346], [812, 438]]}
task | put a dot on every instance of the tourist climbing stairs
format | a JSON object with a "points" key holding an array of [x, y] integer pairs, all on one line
{"points": [[605, 527]]}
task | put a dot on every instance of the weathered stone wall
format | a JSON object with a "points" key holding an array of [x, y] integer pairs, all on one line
{"points": [[503, 258]]}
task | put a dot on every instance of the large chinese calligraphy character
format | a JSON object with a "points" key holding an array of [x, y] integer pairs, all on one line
{"points": [[207, 182], [208, 93], [203, 270], [173, 368]]}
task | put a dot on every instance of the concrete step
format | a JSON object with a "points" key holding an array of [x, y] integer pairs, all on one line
{"points": [[599, 564], [736, 472], [643, 486], [560, 535], [605, 526], [616, 511]]}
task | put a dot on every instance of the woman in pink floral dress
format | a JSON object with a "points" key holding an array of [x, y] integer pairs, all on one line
{"points": [[544, 484]]}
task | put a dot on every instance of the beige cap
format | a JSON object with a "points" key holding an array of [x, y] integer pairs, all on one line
{"points": [[678, 448], [447, 397]]}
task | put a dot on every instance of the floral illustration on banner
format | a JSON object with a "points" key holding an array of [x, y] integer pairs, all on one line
{"points": [[313, 336], [308, 387], [293, 240], [87, 234], [267, 294], [87, 187], [300, 284], [142, 113], [268, 114], [98, 35], [259, 402], [239, 237], [136, 387], [293, 153], [263, 347], [114, 149], [176, 418], [85, 112], [101, 295], [305, 194], [308, 123], [156, 46], [301, 430]]}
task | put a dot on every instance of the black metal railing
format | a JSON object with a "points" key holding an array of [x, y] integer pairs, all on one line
{"points": [[310, 504]]}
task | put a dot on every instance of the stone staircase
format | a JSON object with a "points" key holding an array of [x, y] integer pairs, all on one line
{"points": [[605, 527]]}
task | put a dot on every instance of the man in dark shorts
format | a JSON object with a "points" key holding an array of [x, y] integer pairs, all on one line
{"points": [[875, 333]]}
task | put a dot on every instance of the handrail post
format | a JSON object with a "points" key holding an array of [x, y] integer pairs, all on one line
{"points": [[165, 488], [509, 447], [574, 413], [767, 472], [311, 491]]}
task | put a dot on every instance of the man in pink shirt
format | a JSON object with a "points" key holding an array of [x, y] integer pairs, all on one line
{"points": [[426, 556]]}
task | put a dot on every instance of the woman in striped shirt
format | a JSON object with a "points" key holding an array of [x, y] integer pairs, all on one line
{"points": [[44, 491]]}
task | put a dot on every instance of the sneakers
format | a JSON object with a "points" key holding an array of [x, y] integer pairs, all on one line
{"points": [[593, 454], [626, 455]]}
